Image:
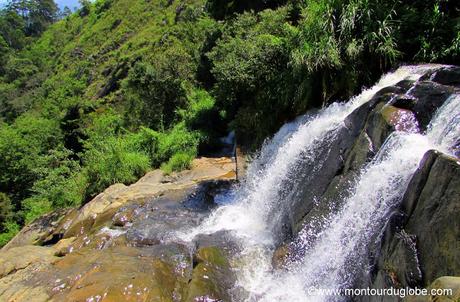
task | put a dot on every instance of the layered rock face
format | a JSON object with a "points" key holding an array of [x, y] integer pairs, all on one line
{"points": [[422, 240], [407, 106]]}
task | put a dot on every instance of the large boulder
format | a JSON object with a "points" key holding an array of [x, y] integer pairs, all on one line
{"points": [[100, 212], [123, 274], [18, 268], [21, 257], [429, 97], [435, 220], [212, 277], [347, 148], [353, 147], [421, 242], [449, 75], [36, 232]]}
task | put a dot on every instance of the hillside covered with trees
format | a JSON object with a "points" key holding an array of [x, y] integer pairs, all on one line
{"points": [[102, 95]]}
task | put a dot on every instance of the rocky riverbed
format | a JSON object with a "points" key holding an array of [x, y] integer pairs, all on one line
{"points": [[116, 248]]}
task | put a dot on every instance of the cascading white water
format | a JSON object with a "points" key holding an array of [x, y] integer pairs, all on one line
{"points": [[337, 251], [251, 215], [339, 255]]}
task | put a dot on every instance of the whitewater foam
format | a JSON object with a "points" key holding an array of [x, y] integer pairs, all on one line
{"points": [[336, 253]]}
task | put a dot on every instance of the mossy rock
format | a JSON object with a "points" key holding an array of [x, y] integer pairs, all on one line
{"points": [[212, 276]]}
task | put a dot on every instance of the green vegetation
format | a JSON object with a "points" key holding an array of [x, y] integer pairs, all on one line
{"points": [[119, 87]]}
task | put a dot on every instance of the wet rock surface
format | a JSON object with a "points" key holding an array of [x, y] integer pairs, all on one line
{"points": [[435, 222], [123, 274], [38, 231], [120, 246], [349, 150], [421, 242], [429, 96], [449, 75], [212, 277]]}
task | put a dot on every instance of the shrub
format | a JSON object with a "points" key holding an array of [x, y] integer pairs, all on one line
{"points": [[204, 117], [146, 140], [200, 111], [252, 53], [64, 186], [11, 228], [24, 147], [34, 207], [85, 8], [17, 68], [221, 9], [177, 140], [178, 162], [6, 211], [112, 160], [155, 92]]}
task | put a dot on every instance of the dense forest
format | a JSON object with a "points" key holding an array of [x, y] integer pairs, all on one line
{"points": [[102, 95]]}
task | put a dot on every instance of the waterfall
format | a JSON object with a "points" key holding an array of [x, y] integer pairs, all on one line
{"points": [[339, 255], [334, 254], [269, 176]]}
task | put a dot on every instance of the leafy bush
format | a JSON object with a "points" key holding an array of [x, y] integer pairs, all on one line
{"points": [[6, 211], [178, 162], [11, 228], [113, 161], [200, 110], [17, 68], [114, 155], [35, 207], [252, 53], [221, 9], [24, 148], [85, 8], [64, 185], [110, 155], [177, 140]]}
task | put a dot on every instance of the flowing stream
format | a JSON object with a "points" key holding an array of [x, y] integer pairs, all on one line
{"points": [[334, 254], [339, 254]]}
